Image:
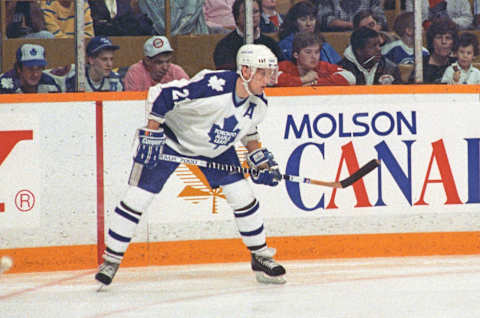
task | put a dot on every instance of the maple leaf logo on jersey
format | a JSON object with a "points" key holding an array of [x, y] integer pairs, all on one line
{"points": [[226, 135], [216, 83], [7, 83]]}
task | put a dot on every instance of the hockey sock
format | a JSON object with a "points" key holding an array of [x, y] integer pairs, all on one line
{"points": [[250, 225], [123, 224]]}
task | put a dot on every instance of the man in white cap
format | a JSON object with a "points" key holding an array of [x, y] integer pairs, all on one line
{"points": [[27, 76], [155, 67]]}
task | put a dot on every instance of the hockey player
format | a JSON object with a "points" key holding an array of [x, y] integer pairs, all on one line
{"points": [[204, 118]]}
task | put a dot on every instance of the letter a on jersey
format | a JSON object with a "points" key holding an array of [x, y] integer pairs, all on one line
{"points": [[250, 110]]}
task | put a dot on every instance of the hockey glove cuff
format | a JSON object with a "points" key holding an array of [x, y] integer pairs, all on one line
{"points": [[150, 146]]}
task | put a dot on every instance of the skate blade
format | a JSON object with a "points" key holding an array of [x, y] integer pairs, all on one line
{"points": [[100, 287], [265, 279]]}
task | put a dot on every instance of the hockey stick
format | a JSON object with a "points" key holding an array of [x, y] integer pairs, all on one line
{"points": [[360, 173]]}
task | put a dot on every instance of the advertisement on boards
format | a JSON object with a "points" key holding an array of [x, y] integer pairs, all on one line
{"points": [[48, 174], [429, 151], [20, 171]]}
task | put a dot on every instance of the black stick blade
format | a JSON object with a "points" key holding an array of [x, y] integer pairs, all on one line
{"points": [[360, 173]]}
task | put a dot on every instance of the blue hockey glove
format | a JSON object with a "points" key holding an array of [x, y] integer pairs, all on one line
{"points": [[261, 158], [269, 177], [266, 167], [150, 146]]}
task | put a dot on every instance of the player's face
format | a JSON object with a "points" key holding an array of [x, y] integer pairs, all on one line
{"points": [[158, 65], [465, 56], [102, 65], [306, 23], [443, 44], [30, 75], [261, 79], [308, 57]]}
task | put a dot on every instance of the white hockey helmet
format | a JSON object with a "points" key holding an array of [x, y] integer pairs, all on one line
{"points": [[256, 56]]}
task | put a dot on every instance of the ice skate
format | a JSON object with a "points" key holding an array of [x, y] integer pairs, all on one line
{"points": [[106, 272], [267, 271]]}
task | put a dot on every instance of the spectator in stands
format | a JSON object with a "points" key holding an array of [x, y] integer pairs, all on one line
{"points": [[155, 67], [25, 20], [186, 16], [402, 51], [306, 69], [459, 11], [301, 17], [337, 15], [367, 19], [218, 15], [59, 18], [442, 38], [271, 19], [27, 76], [99, 72], [119, 18], [226, 50], [462, 71], [364, 59]]}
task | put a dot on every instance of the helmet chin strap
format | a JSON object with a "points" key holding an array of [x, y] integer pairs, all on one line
{"points": [[245, 85], [245, 82]]}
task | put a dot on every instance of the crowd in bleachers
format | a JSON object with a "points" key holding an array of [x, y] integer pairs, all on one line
{"points": [[375, 54]]}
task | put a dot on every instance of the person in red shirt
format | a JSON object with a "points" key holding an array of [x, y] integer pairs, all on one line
{"points": [[306, 69]]}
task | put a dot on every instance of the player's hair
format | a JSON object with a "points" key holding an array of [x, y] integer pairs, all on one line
{"points": [[299, 10], [304, 39], [442, 26], [360, 37], [238, 4], [402, 22], [467, 39]]}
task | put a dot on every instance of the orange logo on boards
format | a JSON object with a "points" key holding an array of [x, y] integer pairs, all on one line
{"points": [[197, 188]]}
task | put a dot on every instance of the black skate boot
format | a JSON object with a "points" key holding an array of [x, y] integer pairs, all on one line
{"points": [[106, 272], [267, 271]]}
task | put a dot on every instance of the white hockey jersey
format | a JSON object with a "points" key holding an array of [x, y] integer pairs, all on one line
{"points": [[201, 116]]}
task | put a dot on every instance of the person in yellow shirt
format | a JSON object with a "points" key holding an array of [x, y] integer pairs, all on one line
{"points": [[59, 18]]}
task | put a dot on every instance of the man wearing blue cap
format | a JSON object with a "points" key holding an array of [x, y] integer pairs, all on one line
{"points": [[99, 73], [27, 76]]}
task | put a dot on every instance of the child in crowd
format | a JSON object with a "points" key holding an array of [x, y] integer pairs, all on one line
{"points": [[462, 71], [402, 51]]}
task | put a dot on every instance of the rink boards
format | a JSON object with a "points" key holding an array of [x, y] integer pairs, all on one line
{"points": [[65, 160]]}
